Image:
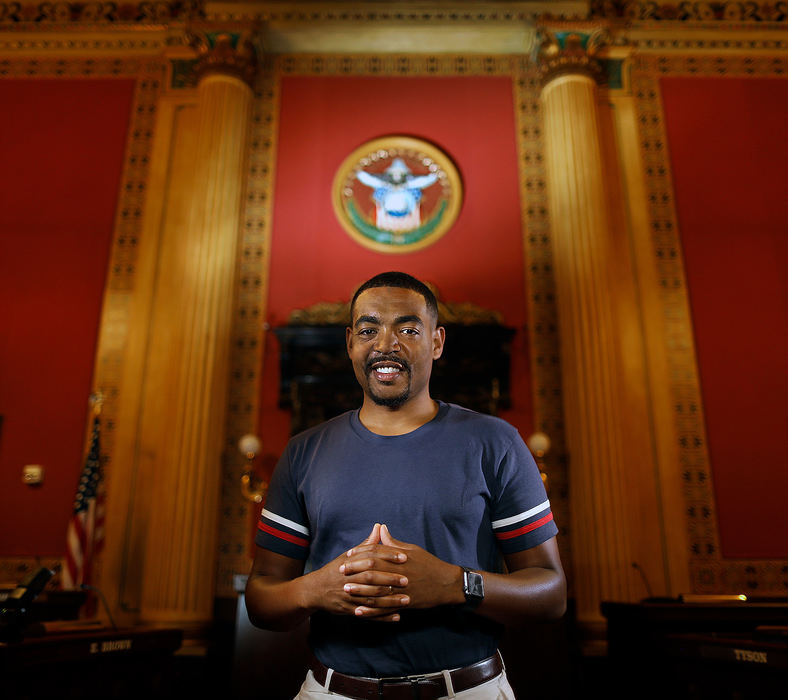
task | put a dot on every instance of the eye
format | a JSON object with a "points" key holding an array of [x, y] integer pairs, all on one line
{"points": [[366, 331], [410, 331]]}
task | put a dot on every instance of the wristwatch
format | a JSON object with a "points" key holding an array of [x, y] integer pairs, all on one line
{"points": [[472, 587]]}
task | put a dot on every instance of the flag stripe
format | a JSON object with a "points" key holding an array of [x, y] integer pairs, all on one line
{"points": [[525, 528]]}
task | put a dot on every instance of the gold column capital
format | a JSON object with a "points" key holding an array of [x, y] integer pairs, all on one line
{"points": [[570, 48], [227, 51]]}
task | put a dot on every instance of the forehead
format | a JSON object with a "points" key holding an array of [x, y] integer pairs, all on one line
{"points": [[395, 301]]}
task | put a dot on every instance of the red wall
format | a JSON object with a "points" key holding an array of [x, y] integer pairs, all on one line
{"points": [[728, 148], [313, 259], [61, 145]]}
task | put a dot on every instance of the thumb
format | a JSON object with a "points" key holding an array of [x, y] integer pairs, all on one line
{"points": [[374, 536], [386, 538]]}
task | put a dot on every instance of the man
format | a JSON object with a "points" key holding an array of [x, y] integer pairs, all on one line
{"points": [[404, 509]]}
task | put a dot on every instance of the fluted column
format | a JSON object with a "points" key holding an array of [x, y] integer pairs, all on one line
{"points": [[583, 265], [200, 266]]}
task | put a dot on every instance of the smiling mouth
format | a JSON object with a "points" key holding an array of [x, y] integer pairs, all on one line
{"points": [[386, 370]]}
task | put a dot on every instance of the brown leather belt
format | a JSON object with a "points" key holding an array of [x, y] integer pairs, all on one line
{"points": [[426, 687]]}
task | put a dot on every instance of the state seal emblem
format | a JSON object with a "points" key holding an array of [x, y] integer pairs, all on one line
{"points": [[397, 194]]}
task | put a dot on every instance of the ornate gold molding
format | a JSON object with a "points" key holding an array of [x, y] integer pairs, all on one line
{"points": [[651, 10], [99, 13], [225, 51], [403, 11], [565, 49]]}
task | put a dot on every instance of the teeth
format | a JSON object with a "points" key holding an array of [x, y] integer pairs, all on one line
{"points": [[386, 370]]}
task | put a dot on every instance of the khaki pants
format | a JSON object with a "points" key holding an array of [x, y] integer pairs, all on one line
{"points": [[497, 688]]}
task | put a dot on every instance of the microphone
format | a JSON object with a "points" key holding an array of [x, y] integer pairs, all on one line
{"points": [[642, 573], [97, 591]]}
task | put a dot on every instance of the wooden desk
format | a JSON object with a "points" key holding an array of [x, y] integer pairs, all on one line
{"points": [[100, 663], [695, 651]]}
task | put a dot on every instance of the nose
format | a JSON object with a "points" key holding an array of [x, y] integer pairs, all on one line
{"points": [[386, 341]]}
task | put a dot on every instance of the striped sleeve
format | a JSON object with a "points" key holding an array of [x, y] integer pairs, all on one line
{"points": [[521, 516], [283, 526]]}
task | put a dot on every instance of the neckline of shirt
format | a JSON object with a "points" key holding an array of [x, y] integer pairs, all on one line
{"points": [[366, 434]]}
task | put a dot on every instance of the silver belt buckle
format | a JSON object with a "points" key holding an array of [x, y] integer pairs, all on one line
{"points": [[412, 680]]}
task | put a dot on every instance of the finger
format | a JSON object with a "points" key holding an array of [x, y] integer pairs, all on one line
{"points": [[375, 549], [380, 562], [388, 618], [372, 539], [380, 616], [368, 611], [376, 602], [360, 589]]}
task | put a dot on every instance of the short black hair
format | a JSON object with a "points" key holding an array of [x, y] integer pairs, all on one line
{"points": [[402, 280]]}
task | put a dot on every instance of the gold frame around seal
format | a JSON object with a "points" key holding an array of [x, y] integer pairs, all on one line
{"points": [[386, 148]]}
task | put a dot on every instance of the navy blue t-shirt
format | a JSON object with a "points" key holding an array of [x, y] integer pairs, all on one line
{"points": [[463, 486]]}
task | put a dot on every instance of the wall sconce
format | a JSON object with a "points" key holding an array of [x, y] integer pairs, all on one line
{"points": [[539, 444], [253, 490]]}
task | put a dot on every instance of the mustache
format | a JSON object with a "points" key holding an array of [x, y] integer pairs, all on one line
{"points": [[386, 358]]}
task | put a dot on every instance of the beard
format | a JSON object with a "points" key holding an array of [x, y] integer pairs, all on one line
{"points": [[392, 402]]}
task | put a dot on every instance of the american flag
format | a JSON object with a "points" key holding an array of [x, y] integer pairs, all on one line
{"points": [[85, 536]]}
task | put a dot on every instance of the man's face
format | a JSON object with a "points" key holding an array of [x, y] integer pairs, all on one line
{"points": [[392, 344]]}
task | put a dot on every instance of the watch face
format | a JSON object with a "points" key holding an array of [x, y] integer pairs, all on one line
{"points": [[474, 585]]}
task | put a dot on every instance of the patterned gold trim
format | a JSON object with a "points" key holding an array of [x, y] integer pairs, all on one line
{"points": [[249, 332], [395, 64], [750, 11], [543, 337], [112, 13], [709, 571], [40, 13], [403, 11]]}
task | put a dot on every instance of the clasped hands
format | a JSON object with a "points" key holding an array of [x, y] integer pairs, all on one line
{"points": [[381, 576]]}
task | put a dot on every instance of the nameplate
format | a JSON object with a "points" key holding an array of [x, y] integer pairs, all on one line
{"points": [[110, 645]]}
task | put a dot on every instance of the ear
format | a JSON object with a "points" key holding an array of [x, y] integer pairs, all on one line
{"points": [[348, 338], [438, 339]]}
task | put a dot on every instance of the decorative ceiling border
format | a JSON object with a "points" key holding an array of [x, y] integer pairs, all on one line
{"points": [[121, 276], [99, 13], [395, 64], [308, 13], [304, 13], [720, 11], [709, 572]]}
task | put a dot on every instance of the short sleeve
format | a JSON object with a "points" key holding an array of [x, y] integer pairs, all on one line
{"points": [[284, 527], [521, 514]]}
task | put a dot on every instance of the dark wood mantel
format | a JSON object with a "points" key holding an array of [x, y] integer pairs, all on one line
{"points": [[317, 381]]}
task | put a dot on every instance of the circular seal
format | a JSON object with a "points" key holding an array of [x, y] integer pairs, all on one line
{"points": [[397, 194]]}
